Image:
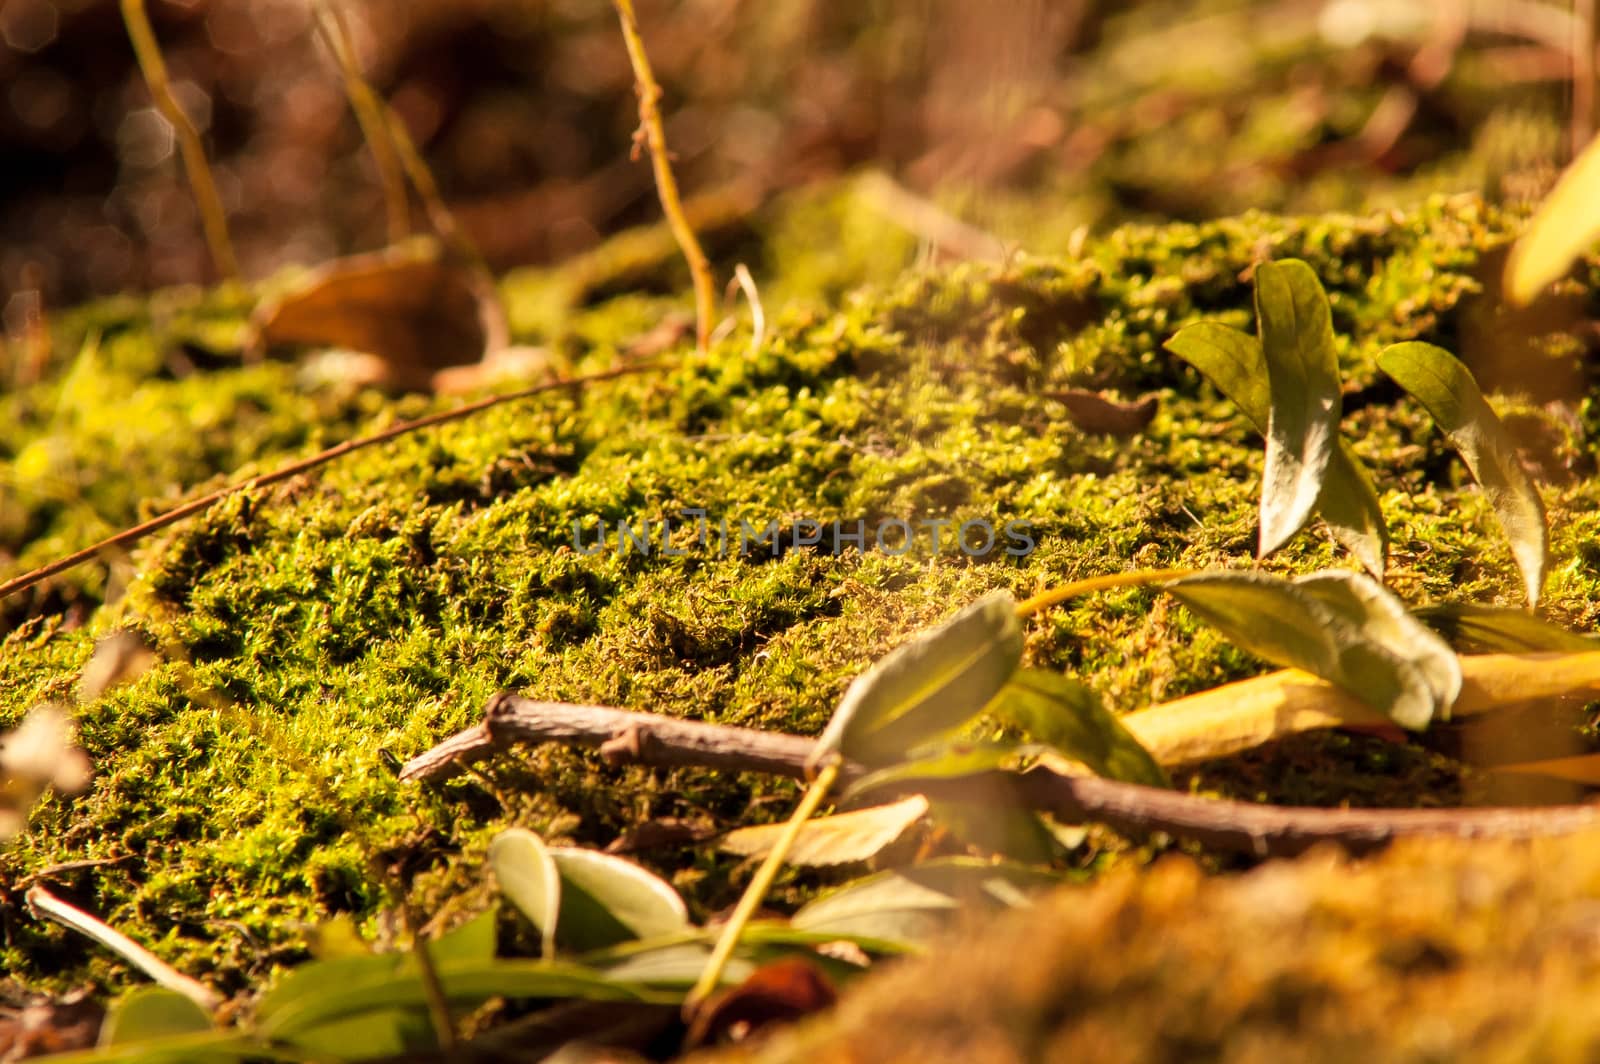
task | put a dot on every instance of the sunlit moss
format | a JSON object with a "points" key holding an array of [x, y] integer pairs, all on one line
{"points": [[369, 609]]}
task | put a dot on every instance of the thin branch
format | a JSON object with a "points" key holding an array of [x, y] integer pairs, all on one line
{"points": [[148, 52], [45, 904], [666, 185], [1263, 830], [293, 469], [758, 313]]}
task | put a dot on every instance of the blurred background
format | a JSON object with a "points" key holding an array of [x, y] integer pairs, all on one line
{"points": [[1027, 119]]}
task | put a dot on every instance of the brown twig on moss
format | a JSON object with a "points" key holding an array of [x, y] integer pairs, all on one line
{"points": [[369, 111], [655, 138], [293, 469], [154, 68], [1245, 827]]}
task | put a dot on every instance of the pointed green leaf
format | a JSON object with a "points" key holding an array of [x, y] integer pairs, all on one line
{"points": [[149, 1012], [1443, 385], [1507, 631], [1343, 627], [473, 941], [929, 686], [607, 899], [1564, 227], [329, 992], [1235, 365], [528, 875], [1070, 717], [1296, 330], [831, 840]]}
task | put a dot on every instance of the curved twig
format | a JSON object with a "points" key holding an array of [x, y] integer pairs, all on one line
{"points": [[1264, 830]]}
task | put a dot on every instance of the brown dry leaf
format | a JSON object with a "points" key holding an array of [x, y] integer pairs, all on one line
{"points": [[1584, 769], [1238, 716], [1093, 412], [775, 993], [407, 312], [830, 840]]}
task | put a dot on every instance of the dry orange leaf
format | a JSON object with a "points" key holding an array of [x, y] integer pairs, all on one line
{"points": [[409, 311], [1238, 716]]}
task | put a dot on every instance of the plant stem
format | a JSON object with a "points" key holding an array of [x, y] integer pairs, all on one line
{"points": [[756, 892], [369, 115], [148, 52], [70, 916], [1056, 596], [666, 185], [1587, 31]]}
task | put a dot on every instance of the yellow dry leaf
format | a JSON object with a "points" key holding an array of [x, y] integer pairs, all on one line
{"points": [[1564, 226], [830, 840], [1585, 769], [1238, 716]]}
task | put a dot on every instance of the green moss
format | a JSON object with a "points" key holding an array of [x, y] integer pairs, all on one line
{"points": [[370, 608]]}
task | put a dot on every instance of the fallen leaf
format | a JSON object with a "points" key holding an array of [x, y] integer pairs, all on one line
{"points": [[831, 840], [408, 311], [1496, 628], [1584, 769], [774, 994], [1240, 716], [1093, 412]]}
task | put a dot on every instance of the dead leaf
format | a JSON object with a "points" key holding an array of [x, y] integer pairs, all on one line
{"points": [[661, 832], [830, 840], [407, 312], [1094, 412], [776, 993], [45, 1028], [1242, 715], [1584, 769]]}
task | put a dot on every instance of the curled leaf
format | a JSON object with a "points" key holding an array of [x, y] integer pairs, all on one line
{"points": [[1445, 388], [1564, 227], [1245, 714], [1343, 627], [1296, 329], [831, 840], [929, 686], [1070, 717], [528, 875], [1234, 363]]}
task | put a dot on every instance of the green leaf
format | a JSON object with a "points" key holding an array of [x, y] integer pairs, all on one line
{"points": [[326, 992], [1296, 330], [149, 1012], [946, 761], [1343, 627], [929, 686], [1235, 365], [912, 905], [831, 840], [606, 899], [1445, 388], [1507, 631], [367, 1035], [674, 965], [1070, 717], [201, 1047], [1564, 227], [528, 875], [473, 941]]}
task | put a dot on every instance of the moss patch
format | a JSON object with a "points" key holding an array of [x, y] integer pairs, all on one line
{"points": [[368, 610]]}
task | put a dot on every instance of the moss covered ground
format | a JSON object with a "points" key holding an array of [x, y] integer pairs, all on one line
{"points": [[364, 611]]}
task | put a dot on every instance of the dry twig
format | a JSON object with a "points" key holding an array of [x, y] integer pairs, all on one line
{"points": [[1263, 830]]}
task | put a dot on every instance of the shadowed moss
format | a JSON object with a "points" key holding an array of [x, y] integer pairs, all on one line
{"points": [[369, 609]]}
